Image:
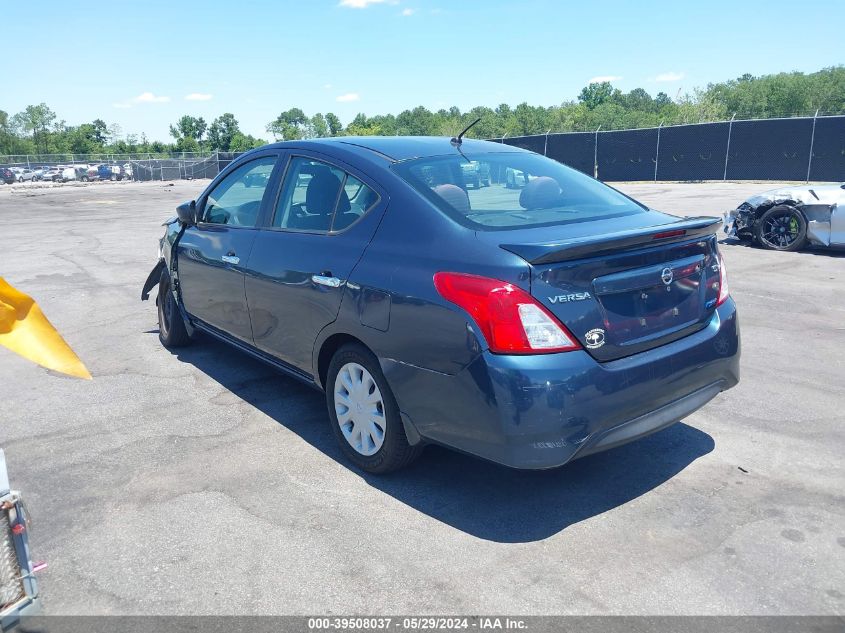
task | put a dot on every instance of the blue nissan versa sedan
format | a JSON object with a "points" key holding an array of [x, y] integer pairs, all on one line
{"points": [[527, 325]]}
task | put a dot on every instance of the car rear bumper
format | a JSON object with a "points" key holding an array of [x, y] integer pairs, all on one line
{"points": [[545, 410]]}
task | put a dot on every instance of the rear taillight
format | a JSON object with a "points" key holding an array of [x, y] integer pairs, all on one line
{"points": [[510, 319], [724, 291]]}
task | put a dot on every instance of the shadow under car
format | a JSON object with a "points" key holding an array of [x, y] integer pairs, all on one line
{"points": [[480, 498]]}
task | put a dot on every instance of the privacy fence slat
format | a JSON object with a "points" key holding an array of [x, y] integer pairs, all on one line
{"points": [[759, 149]]}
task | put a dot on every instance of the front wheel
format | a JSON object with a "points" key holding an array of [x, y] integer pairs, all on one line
{"points": [[171, 327], [364, 415], [781, 228]]}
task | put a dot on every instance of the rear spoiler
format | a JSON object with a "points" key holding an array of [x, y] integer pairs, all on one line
{"points": [[595, 245]]}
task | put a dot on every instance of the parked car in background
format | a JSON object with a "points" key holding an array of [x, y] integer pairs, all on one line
{"points": [[69, 174], [528, 327], [52, 174], [256, 179], [7, 176], [109, 172], [476, 174], [516, 178], [790, 218], [25, 174]]}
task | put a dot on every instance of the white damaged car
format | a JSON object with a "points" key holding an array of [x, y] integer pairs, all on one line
{"points": [[790, 218]]}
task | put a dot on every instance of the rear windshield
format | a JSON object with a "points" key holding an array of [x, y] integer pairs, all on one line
{"points": [[506, 191]]}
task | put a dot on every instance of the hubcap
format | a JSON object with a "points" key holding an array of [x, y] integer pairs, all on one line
{"points": [[360, 409]]}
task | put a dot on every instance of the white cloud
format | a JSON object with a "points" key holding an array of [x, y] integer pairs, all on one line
{"points": [[670, 76], [349, 96], [327, 86], [198, 96], [144, 97], [407, 12], [149, 97], [602, 78], [362, 4]]}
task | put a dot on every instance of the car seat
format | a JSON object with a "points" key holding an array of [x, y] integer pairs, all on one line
{"points": [[320, 198]]}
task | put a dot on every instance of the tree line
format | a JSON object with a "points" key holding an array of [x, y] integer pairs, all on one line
{"points": [[37, 129]]}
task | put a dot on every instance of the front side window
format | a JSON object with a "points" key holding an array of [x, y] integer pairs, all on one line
{"points": [[512, 190], [236, 200], [318, 197]]}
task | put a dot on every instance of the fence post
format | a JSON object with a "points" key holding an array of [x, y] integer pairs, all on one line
{"points": [[728, 149], [657, 151], [812, 140], [596, 155], [546, 144]]}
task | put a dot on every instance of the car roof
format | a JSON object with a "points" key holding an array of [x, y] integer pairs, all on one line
{"points": [[399, 148]]}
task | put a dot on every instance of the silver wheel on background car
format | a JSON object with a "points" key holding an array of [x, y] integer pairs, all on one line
{"points": [[360, 409]]}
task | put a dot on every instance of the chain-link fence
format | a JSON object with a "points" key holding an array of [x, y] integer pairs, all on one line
{"points": [[142, 166], [795, 149], [175, 169], [101, 158]]}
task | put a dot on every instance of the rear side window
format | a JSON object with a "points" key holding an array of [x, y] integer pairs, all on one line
{"points": [[318, 198], [513, 190]]}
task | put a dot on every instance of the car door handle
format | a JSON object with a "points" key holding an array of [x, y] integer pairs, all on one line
{"points": [[231, 259], [324, 280]]}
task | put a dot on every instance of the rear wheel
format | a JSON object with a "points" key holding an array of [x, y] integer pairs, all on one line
{"points": [[364, 414], [171, 327], [781, 228]]}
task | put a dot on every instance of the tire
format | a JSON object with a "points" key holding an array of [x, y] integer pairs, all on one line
{"points": [[781, 228], [171, 328], [393, 452]]}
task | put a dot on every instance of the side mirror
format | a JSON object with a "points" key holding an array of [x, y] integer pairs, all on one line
{"points": [[187, 213]]}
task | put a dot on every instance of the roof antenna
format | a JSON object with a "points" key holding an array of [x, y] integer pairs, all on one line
{"points": [[457, 140]]}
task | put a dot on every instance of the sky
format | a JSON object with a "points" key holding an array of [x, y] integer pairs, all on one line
{"points": [[148, 62]]}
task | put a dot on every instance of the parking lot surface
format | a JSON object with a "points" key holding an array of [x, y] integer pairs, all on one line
{"points": [[202, 482]]}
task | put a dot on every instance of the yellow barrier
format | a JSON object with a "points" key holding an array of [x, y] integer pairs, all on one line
{"points": [[26, 331]]}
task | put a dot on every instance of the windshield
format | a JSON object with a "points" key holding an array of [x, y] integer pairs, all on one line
{"points": [[506, 191]]}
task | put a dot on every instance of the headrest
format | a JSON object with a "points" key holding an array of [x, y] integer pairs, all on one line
{"points": [[321, 194], [454, 196], [540, 193]]}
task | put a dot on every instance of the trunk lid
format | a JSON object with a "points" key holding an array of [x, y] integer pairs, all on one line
{"points": [[624, 287]]}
